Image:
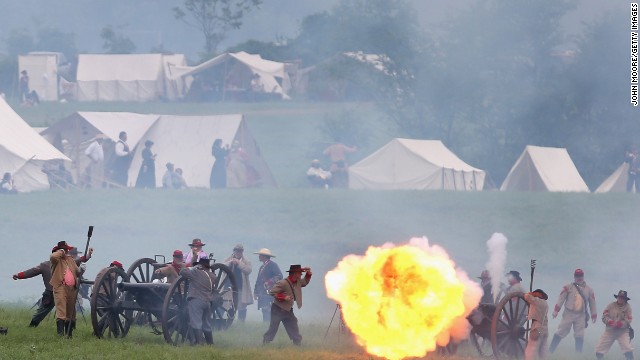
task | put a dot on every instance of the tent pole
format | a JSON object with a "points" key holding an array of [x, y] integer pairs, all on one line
{"points": [[224, 82], [464, 181], [453, 175]]}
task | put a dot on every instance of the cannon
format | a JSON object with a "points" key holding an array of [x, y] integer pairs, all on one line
{"points": [[499, 331], [119, 298]]}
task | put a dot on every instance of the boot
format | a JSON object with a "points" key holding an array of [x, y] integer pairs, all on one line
{"points": [[242, 314], [554, 343], [197, 336], [72, 326], [628, 355], [579, 343], [60, 326], [208, 337], [599, 356], [33, 324]]}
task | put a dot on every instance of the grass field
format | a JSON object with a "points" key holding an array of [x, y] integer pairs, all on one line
{"points": [[316, 228]]}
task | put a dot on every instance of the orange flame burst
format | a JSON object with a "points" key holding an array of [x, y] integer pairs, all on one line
{"points": [[403, 301]]}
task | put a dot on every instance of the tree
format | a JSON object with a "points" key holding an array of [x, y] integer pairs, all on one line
{"points": [[115, 43], [19, 42], [54, 39], [214, 18]]}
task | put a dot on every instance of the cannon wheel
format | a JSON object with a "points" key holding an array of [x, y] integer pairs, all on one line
{"points": [[143, 271], [107, 316], [482, 345], [225, 299], [509, 328], [175, 313]]}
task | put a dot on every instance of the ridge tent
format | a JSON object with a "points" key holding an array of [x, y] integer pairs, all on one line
{"points": [[233, 72], [76, 132], [128, 77], [617, 181], [544, 169], [23, 152], [415, 164], [186, 141]]}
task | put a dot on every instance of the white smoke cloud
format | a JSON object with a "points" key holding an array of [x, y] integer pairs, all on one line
{"points": [[497, 247]]}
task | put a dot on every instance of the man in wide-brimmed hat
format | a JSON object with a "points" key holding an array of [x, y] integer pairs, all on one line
{"points": [[286, 292], [64, 280], [487, 290], [514, 279], [579, 302], [241, 268], [195, 252], [200, 296], [617, 317], [538, 309], [268, 275]]}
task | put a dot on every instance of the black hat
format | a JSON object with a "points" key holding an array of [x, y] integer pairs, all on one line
{"points": [[515, 274], [203, 261], [541, 292], [61, 245], [295, 268], [622, 294]]}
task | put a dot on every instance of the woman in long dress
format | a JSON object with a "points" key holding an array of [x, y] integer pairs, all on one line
{"points": [[237, 168], [218, 178], [147, 174]]}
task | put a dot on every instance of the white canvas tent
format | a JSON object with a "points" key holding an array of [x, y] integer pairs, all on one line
{"points": [[544, 169], [23, 152], [237, 70], [617, 181], [127, 77], [185, 141], [415, 164], [43, 73]]}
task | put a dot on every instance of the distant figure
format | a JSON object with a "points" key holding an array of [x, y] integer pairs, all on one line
{"points": [[218, 179], [237, 166], [538, 309], [318, 178], [241, 268], [631, 157], [57, 175], [27, 96], [167, 178], [122, 160], [337, 154], [257, 88], [95, 170], [178, 180], [7, 187], [147, 174], [617, 317]]}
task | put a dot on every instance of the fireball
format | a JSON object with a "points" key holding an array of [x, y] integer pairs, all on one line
{"points": [[402, 301]]}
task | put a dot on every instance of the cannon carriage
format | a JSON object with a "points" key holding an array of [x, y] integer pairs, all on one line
{"points": [[120, 299]]}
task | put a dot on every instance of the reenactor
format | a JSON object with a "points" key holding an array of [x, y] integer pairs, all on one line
{"points": [[285, 292], [617, 318], [64, 281], [514, 280], [199, 297], [579, 302], [538, 310], [241, 268], [268, 275], [172, 271], [46, 303], [487, 291]]}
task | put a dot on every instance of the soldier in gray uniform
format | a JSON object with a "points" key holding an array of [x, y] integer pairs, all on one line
{"points": [[46, 302], [579, 303], [199, 297], [617, 317]]}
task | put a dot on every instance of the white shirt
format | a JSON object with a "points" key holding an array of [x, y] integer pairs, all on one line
{"points": [[322, 174], [95, 152], [120, 149]]}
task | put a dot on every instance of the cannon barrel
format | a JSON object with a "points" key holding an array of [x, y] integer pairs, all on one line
{"points": [[86, 282], [135, 286]]}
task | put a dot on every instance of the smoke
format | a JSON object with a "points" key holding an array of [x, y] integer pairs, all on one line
{"points": [[497, 247]]}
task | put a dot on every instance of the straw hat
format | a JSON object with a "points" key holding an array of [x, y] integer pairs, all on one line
{"points": [[265, 252]]}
